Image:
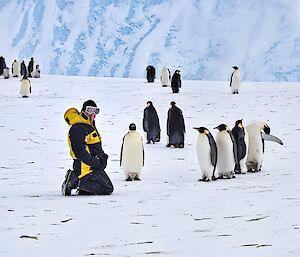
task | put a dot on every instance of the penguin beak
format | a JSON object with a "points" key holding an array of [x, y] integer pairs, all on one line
{"points": [[216, 127]]}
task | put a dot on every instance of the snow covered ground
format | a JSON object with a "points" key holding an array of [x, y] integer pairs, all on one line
{"points": [[168, 213]]}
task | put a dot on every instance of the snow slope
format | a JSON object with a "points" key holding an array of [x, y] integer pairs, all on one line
{"points": [[168, 213], [119, 38]]}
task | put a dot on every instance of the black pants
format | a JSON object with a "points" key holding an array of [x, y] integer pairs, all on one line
{"points": [[96, 183]]}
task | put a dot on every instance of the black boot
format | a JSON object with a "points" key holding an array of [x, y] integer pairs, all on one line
{"points": [[71, 182]]}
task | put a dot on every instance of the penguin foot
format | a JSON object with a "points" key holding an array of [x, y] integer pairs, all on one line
{"points": [[181, 146], [168, 145], [148, 142], [137, 178], [129, 179]]}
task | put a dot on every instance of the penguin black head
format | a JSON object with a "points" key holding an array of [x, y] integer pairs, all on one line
{"points": [[202, 130], [173, 103], [149, 103], [266, 129], [235, 67], [221, 127], [177, 71], [132, 126], [239, 123]]}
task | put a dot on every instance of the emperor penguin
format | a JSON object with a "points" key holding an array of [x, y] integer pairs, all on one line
{"points": [[242, 142], [258, 132], [15, 69], [227, 152], [132, 154], [151, 125], [6, 73], [176, 81], [25, 87], [150, 73], [165, 77], [37, 72], [207, 154], [235, 81], [175, 127]]}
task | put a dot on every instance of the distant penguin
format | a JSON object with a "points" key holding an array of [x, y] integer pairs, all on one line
{"points": [[15, 69], [2, 64], [151, 124], [25, 87], [165, 77], [132, 154], [176, 81], [37, 72], [23, 69], [175, 127], [31, 67], [258, 132], [6, 73], [150, 73], [207, 154], [241, 138], [235, 81], [227, 152]]}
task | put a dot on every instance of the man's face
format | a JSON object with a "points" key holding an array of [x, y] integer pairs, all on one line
{"points": [[92, 112]]}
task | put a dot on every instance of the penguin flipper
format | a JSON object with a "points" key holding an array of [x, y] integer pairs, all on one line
{"points": [[271, 138], [235, 152], [214, 151], [121, 154]]}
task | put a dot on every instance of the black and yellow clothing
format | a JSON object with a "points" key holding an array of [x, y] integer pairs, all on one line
{"points": [[86, 150]]}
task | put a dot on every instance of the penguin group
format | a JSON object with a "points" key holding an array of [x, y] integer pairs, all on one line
{"points": [[165, 77], [175, 82], [20, 70], [132, 150], [233, 151]]}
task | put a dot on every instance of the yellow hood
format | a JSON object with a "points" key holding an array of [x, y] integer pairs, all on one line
{"points": [[73, 116]]}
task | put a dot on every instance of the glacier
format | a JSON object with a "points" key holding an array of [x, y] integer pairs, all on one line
{"points": [[120, 38]]}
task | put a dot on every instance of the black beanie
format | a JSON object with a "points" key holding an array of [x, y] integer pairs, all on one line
{"points": [[88, 103]]}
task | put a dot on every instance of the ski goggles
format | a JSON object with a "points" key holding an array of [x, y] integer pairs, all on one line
{"points": [[92, 110]]}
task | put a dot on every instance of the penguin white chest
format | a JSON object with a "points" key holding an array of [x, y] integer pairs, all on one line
{"points": [[204, 153], [132, 153], [236, 81], [225, 163]]}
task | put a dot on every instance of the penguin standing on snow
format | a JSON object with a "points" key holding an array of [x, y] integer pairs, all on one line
{"points": [[235, 81], [25, 87], [23, 69], [37, 72], [2, 64], [15, 69], [6, 73], [31, 67], [258, 132], [175, 127], [207, 154], [241, 138], [227, 152], [150, 73], [165, 77], [132, 154], [151, 124], [176, 81]]}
